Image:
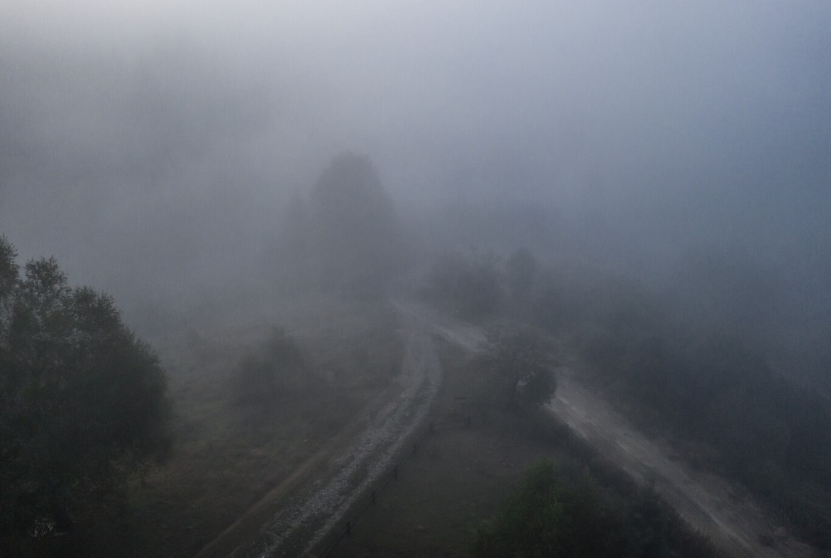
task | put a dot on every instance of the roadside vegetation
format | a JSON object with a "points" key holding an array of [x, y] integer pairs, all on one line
{"points": [[269, 377], [83, 403], [699, 371], [238, 396], [512, 484], [520, 365], [710, 390], [560, 511], [322, 364]]}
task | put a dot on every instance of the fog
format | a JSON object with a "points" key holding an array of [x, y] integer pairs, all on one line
{"points": [[592, 232], [152, 146]]}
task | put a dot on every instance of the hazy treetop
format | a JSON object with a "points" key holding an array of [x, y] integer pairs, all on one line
{"points": [[645, 125]]}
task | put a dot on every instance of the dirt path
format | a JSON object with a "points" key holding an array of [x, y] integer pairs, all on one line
{"points": [[463, 334], [706, 502], [341, 472], [233, 539]]}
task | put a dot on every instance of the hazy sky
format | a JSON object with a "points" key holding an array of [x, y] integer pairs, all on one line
{"points": [[652, 119]]}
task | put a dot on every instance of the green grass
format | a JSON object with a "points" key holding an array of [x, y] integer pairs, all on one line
{"points": [[224, 460]]}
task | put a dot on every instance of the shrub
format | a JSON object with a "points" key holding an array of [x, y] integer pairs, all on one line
{"points": [[275, 370]]}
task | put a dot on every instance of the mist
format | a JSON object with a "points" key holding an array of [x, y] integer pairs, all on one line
{"points": [[296, 202], [153, 148]]}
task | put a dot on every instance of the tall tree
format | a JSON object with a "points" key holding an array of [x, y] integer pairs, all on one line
{"points": [[82, 401], [356, 234]]}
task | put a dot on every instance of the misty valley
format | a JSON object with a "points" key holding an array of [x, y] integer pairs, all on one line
{"points": [[414, 279]]}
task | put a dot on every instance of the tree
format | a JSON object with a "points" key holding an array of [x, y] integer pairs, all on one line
{"points": [[82, 400], [356, 236], [532, 522], [278, 369], [521, 361]]}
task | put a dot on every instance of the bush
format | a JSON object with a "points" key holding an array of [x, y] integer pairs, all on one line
{"points": [[273, 372], [555, 513]]}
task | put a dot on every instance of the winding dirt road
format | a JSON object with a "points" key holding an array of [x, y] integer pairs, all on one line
{"points": [[734, 523], [344, 470]]}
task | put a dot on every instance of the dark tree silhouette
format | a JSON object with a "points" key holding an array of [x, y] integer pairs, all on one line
{"points": [[277, 370], [356, 235], [82, 400]]}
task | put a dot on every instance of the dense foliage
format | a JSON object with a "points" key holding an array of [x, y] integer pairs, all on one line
{"points": [[82, 400], [345, 237], [555, 513]]}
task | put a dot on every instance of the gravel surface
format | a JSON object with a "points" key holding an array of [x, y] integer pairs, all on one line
{"points": [[297, 530], [707, 502]]}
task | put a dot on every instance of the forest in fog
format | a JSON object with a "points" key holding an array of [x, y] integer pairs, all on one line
{"points": [[211, 217]]}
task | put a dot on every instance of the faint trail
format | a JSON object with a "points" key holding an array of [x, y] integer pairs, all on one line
{"points": [[296, 531], [705, 501]]}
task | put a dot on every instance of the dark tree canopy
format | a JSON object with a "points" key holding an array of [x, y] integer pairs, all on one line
{"points": [[347, 236], [356, 229], [82, 401]]}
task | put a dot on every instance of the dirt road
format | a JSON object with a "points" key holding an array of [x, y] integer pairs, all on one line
{"points": [[736, 524], [366, 452]]}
